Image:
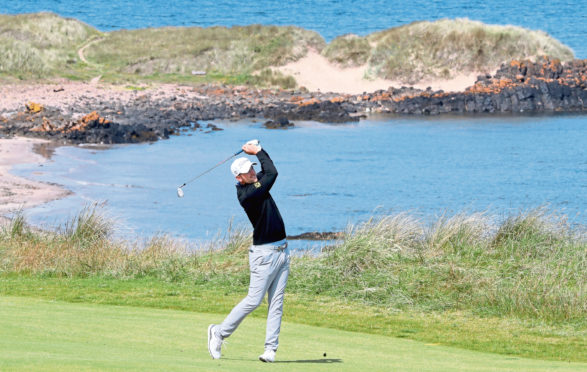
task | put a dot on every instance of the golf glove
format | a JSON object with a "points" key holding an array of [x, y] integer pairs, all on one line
{"points": [[255, 142]]}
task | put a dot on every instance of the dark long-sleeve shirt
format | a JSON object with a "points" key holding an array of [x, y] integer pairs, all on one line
{"points": [[259, 205]]}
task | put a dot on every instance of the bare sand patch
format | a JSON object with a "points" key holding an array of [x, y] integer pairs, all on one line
{"points": [[316, 73]]}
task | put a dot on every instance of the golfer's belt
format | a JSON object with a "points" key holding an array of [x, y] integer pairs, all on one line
{"points": [[281, 247]]}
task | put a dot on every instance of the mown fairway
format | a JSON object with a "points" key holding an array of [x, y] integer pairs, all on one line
{"points": [[50, 336]]}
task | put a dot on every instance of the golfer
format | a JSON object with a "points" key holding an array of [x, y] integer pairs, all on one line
{"points": [[268, 256]]}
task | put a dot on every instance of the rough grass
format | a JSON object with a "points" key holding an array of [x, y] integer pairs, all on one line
{"points": [[442, 49], [181, 50], [530, 266], [33, 45], [44, 45], [348, 50], [521, 279]]}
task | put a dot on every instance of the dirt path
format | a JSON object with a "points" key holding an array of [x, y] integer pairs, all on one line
{"points": [[81, 55], [81, 50]]}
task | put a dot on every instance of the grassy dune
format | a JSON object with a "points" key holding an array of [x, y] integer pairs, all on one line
{"points": [[41, 44], [424, 50], [217, 50], [44, 45], [517, 287]]}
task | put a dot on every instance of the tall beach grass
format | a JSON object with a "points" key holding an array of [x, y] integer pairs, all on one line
{"points": [[180, 50], [442, 49], [40, 44], [531, 265], [44, 45]]}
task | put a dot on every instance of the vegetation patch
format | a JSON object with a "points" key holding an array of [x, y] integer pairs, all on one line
{"points": [[36, 45], [348, 50], [442, 49], [524, 275], [44, 45], [188, 50]]}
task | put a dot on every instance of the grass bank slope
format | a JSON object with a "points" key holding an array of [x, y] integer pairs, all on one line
{"points": [[48, 335], [441, 49], [44, 45], [513, 287], [41, 44], [235, 52]]}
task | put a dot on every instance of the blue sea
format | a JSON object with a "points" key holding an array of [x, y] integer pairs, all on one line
{"points": [[565, 20], [330, 175]]}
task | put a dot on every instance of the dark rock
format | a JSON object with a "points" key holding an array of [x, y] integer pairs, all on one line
{"points": [[281, 123], [325, 111], [314, 235], [213, 127], [518, 86]]}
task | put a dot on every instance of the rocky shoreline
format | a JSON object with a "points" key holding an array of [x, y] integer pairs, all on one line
{"points": [[517, 87]]}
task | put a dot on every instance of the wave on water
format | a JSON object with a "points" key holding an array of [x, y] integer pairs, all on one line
{"points": [[123, 186]]}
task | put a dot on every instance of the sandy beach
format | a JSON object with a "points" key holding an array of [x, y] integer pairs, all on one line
{"points": [[316, 73], [17, 192]]}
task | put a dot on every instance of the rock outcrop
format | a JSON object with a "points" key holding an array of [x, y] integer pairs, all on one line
{"points": [[517, 87]]}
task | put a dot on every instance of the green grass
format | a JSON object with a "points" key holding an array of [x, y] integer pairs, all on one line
{"points": [[45, 46], [40, 44], [530, 266], [47, 335], [180, 50], [462, 329], [514, 287], [348, 50], [441, 49]]}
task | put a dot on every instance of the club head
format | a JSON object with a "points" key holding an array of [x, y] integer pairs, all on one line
{"points": [[179, 192]]}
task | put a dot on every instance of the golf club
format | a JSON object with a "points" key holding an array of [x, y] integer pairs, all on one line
{"points": [[179, 189]]}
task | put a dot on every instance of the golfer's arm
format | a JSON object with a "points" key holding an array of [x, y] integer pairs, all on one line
{"points": [[258, 190], [268, 168]]}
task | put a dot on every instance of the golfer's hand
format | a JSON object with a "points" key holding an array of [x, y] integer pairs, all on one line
{"points": [[252, 147]]}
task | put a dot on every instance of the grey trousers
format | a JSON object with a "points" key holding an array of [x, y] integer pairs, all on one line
{"points": [[269, 264]]}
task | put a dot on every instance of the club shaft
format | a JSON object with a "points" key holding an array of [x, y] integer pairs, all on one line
{"points": [[209, 170]]}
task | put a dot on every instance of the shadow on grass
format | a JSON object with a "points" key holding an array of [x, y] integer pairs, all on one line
{"points": [[325, 360]]}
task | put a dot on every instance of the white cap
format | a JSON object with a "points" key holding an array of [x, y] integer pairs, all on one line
{"points": [[241, 165]]}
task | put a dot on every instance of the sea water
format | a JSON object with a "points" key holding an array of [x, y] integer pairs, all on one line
{"points": [[330, 175]]}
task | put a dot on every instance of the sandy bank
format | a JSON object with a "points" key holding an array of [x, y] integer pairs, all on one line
{"points": [[316, 73], [17, 192]]}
